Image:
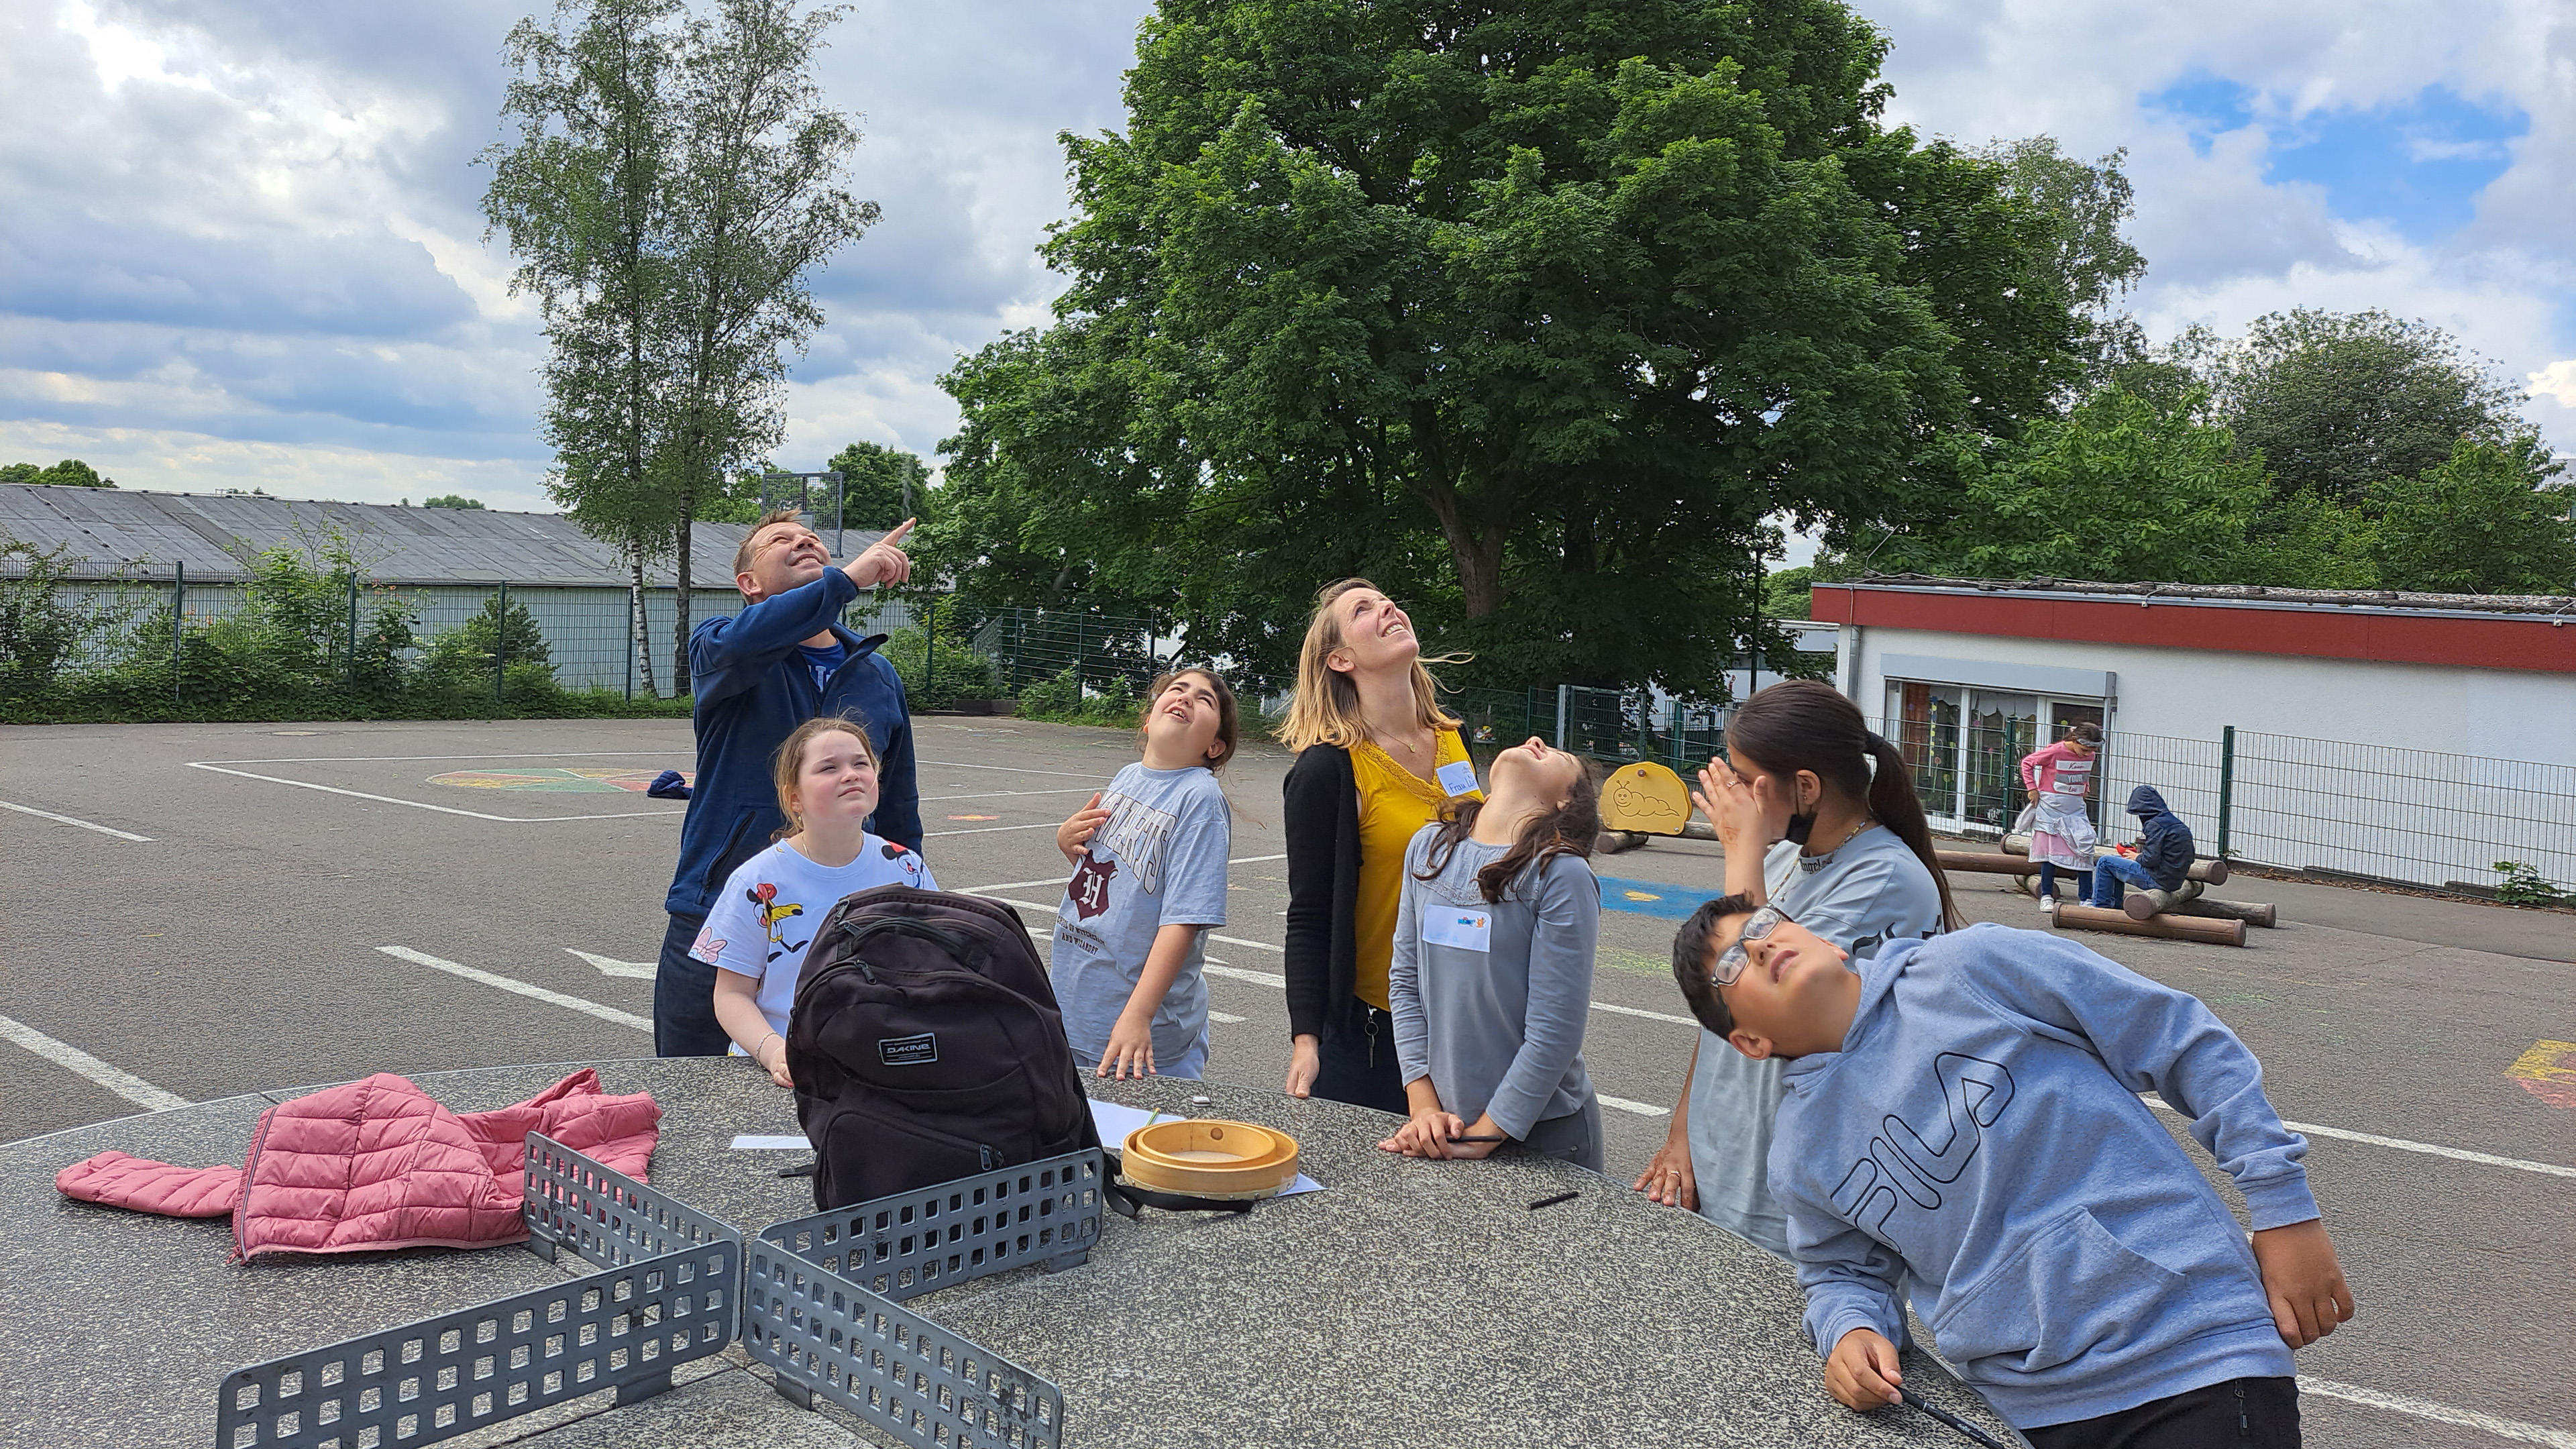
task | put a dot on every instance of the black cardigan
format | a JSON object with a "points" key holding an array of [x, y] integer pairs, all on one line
{"points": [[1323, 829]]}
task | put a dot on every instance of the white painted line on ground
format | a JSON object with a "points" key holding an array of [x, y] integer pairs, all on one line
{"points": [[990, 829], [417, 805], [1013, 769], [1642, 1109], [513, 984], [1270, 979], [2435, 1149], [1000, 794], [1639, 1011], [63, 1054], [2439, 1413], [69, 820], [478, 755], [632, 970], [1226, 1016]]}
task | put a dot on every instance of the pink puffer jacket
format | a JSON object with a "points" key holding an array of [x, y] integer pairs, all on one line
{"points": [[379, 1164]]}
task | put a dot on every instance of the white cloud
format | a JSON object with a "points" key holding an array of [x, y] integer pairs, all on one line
{"points": [[2557, 381]]}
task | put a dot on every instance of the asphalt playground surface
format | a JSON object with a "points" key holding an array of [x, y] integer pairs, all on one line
{"points": [[516, 872]]}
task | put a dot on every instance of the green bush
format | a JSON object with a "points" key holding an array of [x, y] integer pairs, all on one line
{"points": [[961, 673], [2524, 885], [39, 632], [1063, 700]]}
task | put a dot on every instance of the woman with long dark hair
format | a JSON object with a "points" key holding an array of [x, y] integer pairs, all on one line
{"points": [[1803, 772]]}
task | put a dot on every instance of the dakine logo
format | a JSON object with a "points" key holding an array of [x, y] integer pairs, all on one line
{"points": [[908, 1051]]}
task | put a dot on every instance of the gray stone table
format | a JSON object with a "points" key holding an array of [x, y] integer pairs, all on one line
{"points": [[1411, 1302]]}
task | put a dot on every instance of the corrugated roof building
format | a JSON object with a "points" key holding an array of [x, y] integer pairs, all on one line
{"points": [[118, 531]]}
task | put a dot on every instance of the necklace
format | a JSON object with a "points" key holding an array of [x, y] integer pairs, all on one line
{"points": [[1410, 748], [1852, 834]]}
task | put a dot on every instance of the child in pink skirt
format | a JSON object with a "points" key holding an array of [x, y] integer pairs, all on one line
{"points": [[2059, 777]]}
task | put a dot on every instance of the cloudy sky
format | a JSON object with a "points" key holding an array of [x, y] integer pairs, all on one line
{"points": [[240, 242]]}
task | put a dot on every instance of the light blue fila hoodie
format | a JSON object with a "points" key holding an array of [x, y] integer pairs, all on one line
{"points": [[1981, 1129]]}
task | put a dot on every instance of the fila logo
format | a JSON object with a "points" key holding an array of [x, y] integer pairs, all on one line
{"points": [[1974, 1093], [908, 1051]]}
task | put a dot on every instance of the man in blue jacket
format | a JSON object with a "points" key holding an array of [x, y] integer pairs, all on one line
{"points": [[1965, 1111], [759, 675], [2165, 853]]}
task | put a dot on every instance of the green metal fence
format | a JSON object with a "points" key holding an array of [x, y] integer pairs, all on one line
{"points": [[2364, 810]]}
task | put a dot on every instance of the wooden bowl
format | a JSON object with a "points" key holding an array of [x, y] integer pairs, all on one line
{"points": [[1207, 1158]]}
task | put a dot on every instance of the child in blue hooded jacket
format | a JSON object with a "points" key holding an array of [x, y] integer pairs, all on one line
{"points": [[2165, 853], [1965, 1110]]}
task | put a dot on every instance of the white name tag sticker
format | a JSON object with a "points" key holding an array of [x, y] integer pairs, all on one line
{"points": [[1452, 926], [1458, 777]]}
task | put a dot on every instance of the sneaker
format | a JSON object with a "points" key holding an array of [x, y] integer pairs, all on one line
{"points": [[2048, 905]]}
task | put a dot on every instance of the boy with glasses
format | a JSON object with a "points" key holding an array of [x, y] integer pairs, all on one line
{"points": [[1965, 1110]]}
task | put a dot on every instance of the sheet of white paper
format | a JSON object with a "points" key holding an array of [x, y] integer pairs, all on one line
{"points": [[1115, 1120], [752, 1142]]}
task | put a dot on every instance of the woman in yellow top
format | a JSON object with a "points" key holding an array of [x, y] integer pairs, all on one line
{"points": [[1376, 760]]}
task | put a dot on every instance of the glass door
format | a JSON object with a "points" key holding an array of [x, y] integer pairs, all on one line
{"points": [[2003, 726]]}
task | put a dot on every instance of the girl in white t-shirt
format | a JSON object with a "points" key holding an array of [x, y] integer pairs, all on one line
{"points": [[762, 922]]}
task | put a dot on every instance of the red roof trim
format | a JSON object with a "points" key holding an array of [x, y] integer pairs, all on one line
{"points": [[2496, 642]]}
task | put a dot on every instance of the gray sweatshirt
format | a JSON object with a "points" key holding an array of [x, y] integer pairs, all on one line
{"points": [[1490, 999]]}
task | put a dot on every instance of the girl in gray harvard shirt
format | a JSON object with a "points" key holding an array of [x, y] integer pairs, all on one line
{"points": [[1492, 975]]}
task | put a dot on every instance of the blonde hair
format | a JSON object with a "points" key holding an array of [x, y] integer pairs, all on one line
{"points": [[789, 762], [1325, 710]]}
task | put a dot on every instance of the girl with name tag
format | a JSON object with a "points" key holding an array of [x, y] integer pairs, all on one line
{"points": [[1377, 759], [1492, 968]]}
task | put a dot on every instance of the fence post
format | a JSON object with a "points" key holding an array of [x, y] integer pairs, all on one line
{"points": [[178, 621], [1681, 747], [500, 638], [1077, 658], [1564, 698], [929, 648], [2226, 784], [353, 630]]}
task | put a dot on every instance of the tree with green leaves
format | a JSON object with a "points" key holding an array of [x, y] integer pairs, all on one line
{"points": [[672, 183], [880, 486], [757, 203], [582, 195], [2338, 401], [1533, 312], [2085, 208], [2119, 489], [69, 473], [451, 500], [2485, 520]]}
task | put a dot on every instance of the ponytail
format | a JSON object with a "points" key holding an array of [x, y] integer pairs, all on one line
{"points": [[1805, 724], [1893, 801]]}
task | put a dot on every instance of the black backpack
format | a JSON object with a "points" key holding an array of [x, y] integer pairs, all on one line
{"points": [[926, 1045]]}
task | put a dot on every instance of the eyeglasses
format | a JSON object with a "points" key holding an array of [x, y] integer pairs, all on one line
{"points": [[1730, 962]]}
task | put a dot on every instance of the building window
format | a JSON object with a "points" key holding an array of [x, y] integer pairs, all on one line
{"points": [[1965, 745]]}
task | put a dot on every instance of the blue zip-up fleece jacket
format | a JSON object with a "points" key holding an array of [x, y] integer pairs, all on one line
{"points": [[1981, 1129], [753, 691], [2165, 846]]}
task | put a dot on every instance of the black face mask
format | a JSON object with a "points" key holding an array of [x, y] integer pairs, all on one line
{"points": [[1799, 828]]}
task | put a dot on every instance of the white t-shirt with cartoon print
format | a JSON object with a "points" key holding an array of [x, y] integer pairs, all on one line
{"points": [[764, 918]]}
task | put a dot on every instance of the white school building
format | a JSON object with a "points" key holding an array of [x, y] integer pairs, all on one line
{"points": [[2409, 737]]}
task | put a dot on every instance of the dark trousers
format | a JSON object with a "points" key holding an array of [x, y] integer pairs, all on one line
{"points": [[2261, 1413], [684, 998], [1357, 1064]]}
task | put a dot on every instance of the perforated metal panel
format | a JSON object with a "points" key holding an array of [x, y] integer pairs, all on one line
{"points": [[902, 1246], [624, 1327], [830, 1338], [822, 1302], [607, 1217]]}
